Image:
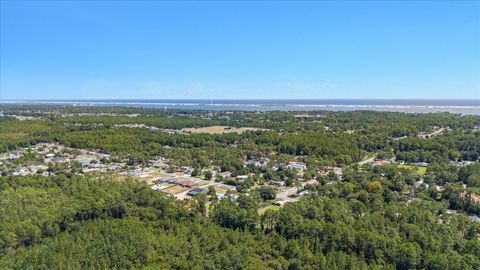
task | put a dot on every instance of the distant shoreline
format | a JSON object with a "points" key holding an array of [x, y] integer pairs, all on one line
{"points": [[462, 106]]}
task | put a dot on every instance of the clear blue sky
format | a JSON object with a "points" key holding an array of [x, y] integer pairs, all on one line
{"points": [[349, 49]]}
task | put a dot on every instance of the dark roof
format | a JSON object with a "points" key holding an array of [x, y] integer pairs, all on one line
{"points": [[197, 191], [187, 183], [165, 179]]}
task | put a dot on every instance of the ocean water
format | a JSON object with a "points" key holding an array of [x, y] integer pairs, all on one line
{"points": [[461, 106]]}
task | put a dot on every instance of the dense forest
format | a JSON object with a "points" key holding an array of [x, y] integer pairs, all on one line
{"points": [[102, 224], [393, 216]]}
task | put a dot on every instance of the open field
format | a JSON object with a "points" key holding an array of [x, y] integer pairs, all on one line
{"points": [[418, 170], [218, 129], [175, 189], [221, 189]]}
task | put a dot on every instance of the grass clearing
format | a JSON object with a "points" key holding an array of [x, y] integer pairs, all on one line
{"points": [[417, 169]]}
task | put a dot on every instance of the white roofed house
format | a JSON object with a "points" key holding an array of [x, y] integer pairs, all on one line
{"points": [[21, 172], [102, 155], [90, 170], [84, 161], [297, 166], [36, 168], [242, 177], [114, 168], [225, 174], [422, 164]]}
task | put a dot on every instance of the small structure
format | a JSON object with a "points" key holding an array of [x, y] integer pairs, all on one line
{"points": [[159, 187], [242, 177], [186, 170], [303, 193], [114, 168], [279, 203], [90, 170], [102, 155], [225, 174], [84, 161], [297, 166]]}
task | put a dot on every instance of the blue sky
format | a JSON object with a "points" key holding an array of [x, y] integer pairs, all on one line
{"points": [[149, 49]]}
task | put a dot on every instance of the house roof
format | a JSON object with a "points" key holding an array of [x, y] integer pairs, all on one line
{"points": [[187, 183], [197, 191]]}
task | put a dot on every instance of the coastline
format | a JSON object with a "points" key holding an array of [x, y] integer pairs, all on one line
{"points": [[285, 106]]}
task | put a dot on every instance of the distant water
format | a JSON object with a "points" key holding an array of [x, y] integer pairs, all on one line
{"points": [[461, 106]]}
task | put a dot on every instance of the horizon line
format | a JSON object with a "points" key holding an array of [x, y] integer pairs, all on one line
{"points": [[73, 99]]}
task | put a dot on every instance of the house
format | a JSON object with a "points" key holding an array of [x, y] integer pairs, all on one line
{"points": [[186, 170], [21, 172], [114, 168], [303, 193], [242, 177], [474, 218], [102, 155], [231, 197], [90, 170], [165, 179], [337, 170], [257, 163], [297, 166], [462, 163], [225, 174], [35, 168], [187, 183], [84, 161], [175, 181], [197, 191], [160, 165]]}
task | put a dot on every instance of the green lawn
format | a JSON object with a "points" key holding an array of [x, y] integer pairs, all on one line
{"points": [[273, 207], [418, 170]]}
